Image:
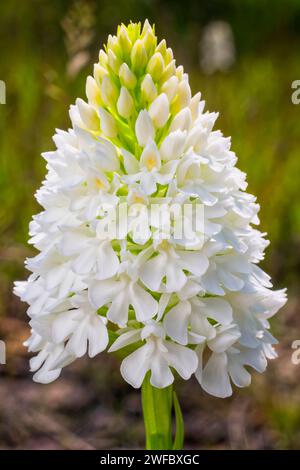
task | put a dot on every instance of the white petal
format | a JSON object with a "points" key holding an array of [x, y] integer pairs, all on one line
{"points": [[144, 129], [145, 306], [224, 339], [85, 262], [239, 375], [211, 283], [161, 375], [196, 263], [125, 339], [72, 242], [148, 183], [176, 322], [254, 358], [182, 120], [162, 304], [159, 110], [230, 281], [215, 379], [105, 155], [199, 351], [173, 145], [153, 271], [183, 359], [63, 326], [135, 366], [107, 261], [118, 311], [175, 277], [150, 157], [77, 344], [131, 164], [97, 336], [46, 376], [167, 172], [218, 309], [102, 292]]}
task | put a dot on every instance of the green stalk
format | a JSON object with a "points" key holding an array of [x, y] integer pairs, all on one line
{"points": [[157, 406]]}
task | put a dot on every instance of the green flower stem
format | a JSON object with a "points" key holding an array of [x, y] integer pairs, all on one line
{"points": [[157, 406]]}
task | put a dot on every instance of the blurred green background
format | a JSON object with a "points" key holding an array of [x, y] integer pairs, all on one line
{"points": [[243, 56]]}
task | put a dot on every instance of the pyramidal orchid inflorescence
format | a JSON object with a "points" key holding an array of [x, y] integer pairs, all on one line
{"points": [[112, 270]]}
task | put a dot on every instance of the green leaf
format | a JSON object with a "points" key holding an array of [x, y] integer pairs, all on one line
{"points": [[157, 407], [179, 434]]}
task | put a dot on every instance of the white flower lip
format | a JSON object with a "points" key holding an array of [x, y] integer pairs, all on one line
{"points": [[119, 253]]}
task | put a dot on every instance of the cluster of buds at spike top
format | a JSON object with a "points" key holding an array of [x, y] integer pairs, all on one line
{"points": [[135, 73], [196, 304]]}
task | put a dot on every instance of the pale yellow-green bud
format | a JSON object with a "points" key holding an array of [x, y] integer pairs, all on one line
{"points": [[134, 30], [109, 91], [194, 105], [113, 44], [182, 120], [169, 71], [107, 124], [127, 77], [180, 72], [92, 91], [113, 61], [183, 98], [146, 28], [170, 88], [88, 115], [149, 42], [162, 47], [168, 56], [138, 57], [148, 89], [124, 41], [159, 110], [99, 73], [103, 58], [156, 66], [125, 105]]}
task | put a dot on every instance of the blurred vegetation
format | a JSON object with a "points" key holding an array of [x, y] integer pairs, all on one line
{"points": [[48, 48]]}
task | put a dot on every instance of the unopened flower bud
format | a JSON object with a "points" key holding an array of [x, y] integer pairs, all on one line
{"points": [[99, 73], [146, 28], [162, 47], [92, 91], [182, 120], [179, 72], [109, 91], [124, 41], [159, 110], [103, 58], [168, 55], [148, 89], [138, 57], [134, 31], [88, 115], [194, 105], [127, 77], [183, 98], [107, 124], [113, 44], [149, 42], [125, 103], [173, 145], [169, 71], [113, 61], [144, 129], [170, 88], [156, 66]]}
